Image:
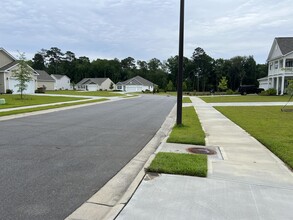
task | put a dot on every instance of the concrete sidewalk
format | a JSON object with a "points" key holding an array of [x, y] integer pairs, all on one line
{"points": [[246, 181]]}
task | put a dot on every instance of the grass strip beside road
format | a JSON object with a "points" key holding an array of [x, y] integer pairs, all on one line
{"points": [[85, 93], [268, 125], [190, 132], [14, 101], [15, 112], [186, 100], [247, 98], [182, 164]]}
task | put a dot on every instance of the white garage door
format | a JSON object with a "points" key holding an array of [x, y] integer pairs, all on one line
{"points": [[29, 90], [133, 89], [92, 88]]}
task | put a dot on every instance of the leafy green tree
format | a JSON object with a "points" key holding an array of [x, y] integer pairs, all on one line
{"points": [[23, 74], [290, 87], [184, 86], [223, 84], [38, 62], [111, 86], [170, 86]]}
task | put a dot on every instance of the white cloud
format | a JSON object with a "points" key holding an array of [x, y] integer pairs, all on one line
{"points": [[144, 29]]}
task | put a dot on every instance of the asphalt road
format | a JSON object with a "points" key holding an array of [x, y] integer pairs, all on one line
{"points": [[52, 163]]}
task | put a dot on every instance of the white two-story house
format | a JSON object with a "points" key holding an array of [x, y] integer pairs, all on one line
{"points": [[280, 62]]}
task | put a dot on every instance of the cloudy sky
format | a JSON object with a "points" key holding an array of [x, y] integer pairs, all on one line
{"points": [[144, 29]]}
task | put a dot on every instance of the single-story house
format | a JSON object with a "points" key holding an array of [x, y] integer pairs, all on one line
{"points": [[62, 82], [95, 84], [135, 84], [45, 80], [280, 62], [8, 64]]}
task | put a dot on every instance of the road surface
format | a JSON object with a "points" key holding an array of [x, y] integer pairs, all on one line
{"points": [[52, 163]]}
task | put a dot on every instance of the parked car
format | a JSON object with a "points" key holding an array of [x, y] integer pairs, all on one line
{"points": [[249, 89]]}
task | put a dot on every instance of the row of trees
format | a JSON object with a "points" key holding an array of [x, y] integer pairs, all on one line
{"points": [[201, 72]]}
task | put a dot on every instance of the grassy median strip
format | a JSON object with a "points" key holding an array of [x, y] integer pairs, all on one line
{"points": [[13, 101], [190, 132], [85, 93], [186, 100], [182, 164], [269, 125], [247, 98], [14, 112]]}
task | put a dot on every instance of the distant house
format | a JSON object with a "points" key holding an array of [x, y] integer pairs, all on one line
{"points": [[135, 84], [7, 82], [95, 84], [45, 80], [280, 62], [62, 82]]}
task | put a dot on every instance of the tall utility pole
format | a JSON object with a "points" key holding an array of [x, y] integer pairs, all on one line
{"points": [[180, 60]]}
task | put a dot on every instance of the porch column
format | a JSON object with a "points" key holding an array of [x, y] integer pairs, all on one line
{"points": [[282, 85], [277, 86]]}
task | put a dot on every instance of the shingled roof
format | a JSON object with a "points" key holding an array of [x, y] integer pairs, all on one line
{"points": [[98, 81], [44, 76], [138, 80], [6, 67], [285, 44]]}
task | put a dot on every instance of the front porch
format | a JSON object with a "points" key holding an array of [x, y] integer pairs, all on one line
{"points": [[280, 82]]}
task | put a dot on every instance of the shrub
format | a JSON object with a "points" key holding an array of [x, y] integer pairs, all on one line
{"points": [[229, 92], [269, 92], [40, 90], [9, 91]]}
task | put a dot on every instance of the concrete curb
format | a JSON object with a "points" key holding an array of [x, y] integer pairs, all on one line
{"points": [[108, 202]]}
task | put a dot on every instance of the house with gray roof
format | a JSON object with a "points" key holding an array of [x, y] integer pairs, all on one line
{"points": [[95, 84], [9, 64], [280, 62], [62, 82], [135, 84], [45, 80]]}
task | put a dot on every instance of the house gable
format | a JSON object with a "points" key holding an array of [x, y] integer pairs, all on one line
{"points": [[281, 47], [5, 58]]}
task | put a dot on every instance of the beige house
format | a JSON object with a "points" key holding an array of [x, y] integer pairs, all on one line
{"points": [[95, 84], [7, 82], [45, 80]]}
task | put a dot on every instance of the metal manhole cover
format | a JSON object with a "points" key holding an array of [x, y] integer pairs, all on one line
{"points": [[201, 150]]}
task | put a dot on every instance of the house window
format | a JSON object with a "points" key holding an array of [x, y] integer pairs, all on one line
{"points": [[289, 63], [276, 65], [281, 63], [271, 66], [119, 87]]}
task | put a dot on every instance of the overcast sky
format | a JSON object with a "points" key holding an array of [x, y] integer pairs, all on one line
{"points": [[144, 29]]}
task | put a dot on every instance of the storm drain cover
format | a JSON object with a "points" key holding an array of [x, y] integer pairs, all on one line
{"points": [[201, 150]]}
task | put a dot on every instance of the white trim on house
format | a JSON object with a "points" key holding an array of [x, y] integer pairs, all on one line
{"points": [[280, 63], [135, 84]]}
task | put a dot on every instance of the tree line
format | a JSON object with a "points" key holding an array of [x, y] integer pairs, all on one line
{"points": [[201, 72]]}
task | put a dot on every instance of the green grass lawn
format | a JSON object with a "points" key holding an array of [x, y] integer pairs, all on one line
{"points": [[246, 98], [269, 125], [190, 132], [14, 112], [186, 100], [83, 93], [182, 164], [13, 101]]}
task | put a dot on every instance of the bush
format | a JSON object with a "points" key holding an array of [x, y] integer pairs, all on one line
{"points": [[9, 91], [269, 92], [40, 90], [229, 92]]}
